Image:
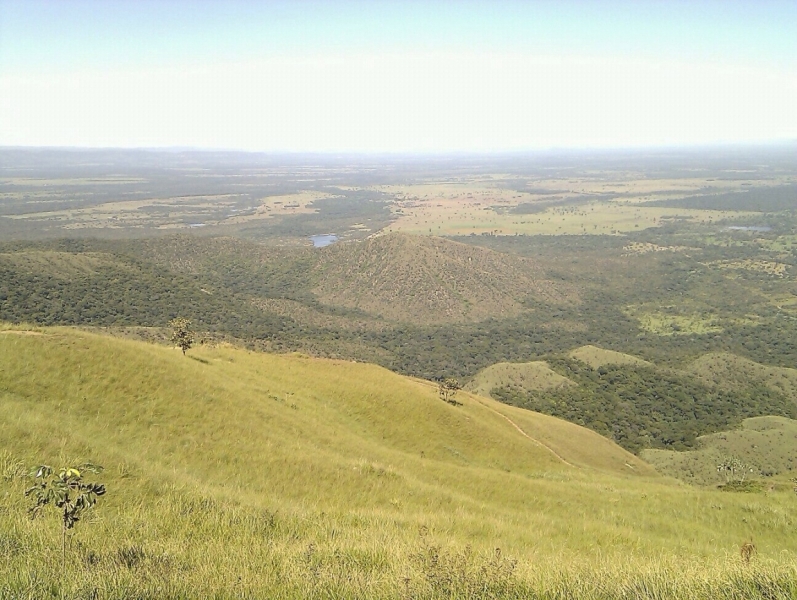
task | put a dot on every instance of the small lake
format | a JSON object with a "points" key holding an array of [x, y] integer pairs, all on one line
{"points": [[319, 241], [749, 228]]}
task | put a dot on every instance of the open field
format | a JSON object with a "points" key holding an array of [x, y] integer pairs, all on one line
{"points": [[238, 474], [566, 206]]}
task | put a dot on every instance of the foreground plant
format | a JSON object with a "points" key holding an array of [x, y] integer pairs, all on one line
{"points": [[67, 492]]}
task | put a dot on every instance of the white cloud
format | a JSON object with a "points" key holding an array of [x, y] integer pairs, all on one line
{"points": [[425, 102]]}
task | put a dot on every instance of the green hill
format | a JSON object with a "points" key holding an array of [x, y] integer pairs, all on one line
{"points": [[597, 357], [768, 445], [729, 371], [431, 280], [107, 284], [641, 405], [233, 473], [530, 376]]}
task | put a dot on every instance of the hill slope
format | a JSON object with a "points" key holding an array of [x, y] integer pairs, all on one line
{"points": [[765, 444], [275, 410], [728, 371], [641, 405], [232, 473], [431, 280]]}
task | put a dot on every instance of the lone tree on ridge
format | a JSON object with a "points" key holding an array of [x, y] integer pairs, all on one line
{"points": [[447, 390], [182, 335]]}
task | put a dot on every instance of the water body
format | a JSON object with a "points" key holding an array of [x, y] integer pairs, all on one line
{"points": [[749, 228], [325, 239]]}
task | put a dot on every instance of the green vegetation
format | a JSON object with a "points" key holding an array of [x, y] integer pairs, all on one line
{"points": [[765, 443], [761, 199], [640, 406], [111, 287], [182, 336], [447, 390], [248, 474], [242, 474], [67, 493]]}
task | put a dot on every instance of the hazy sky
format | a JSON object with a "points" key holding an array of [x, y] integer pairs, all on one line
{"points": [[396, 76]]}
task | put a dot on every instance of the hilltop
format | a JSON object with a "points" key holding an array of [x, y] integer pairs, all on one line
{"points": [[529, 377], [396, 277], [727, 371], [432, 280], [598, 357]]}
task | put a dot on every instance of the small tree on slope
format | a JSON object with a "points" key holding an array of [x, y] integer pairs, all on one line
{"points": [[67, 492], [447, 390]]}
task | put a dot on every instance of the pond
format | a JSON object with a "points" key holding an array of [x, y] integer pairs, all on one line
{"points": [[325, 239]]}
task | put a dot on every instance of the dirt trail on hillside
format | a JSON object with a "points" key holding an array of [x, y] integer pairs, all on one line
{"points": [[13, 332], [526, 435]]}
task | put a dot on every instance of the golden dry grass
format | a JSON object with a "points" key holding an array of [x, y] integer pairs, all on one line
{"points": [[237, 474]]}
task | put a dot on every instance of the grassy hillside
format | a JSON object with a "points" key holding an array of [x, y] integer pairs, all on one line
{"points": [[238, 474], [401, 277], [727, 371], [766, 444], [431, 280], [597, 357], [530, 376]]}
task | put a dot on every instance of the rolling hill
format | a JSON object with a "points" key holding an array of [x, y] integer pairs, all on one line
{"points": [[407, 278], [431, 280], [726, 370], [529, 377], [641, 405], [598, 357]]}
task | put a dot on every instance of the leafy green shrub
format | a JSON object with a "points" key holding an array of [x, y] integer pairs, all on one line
{"points": [[67, 492]]}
